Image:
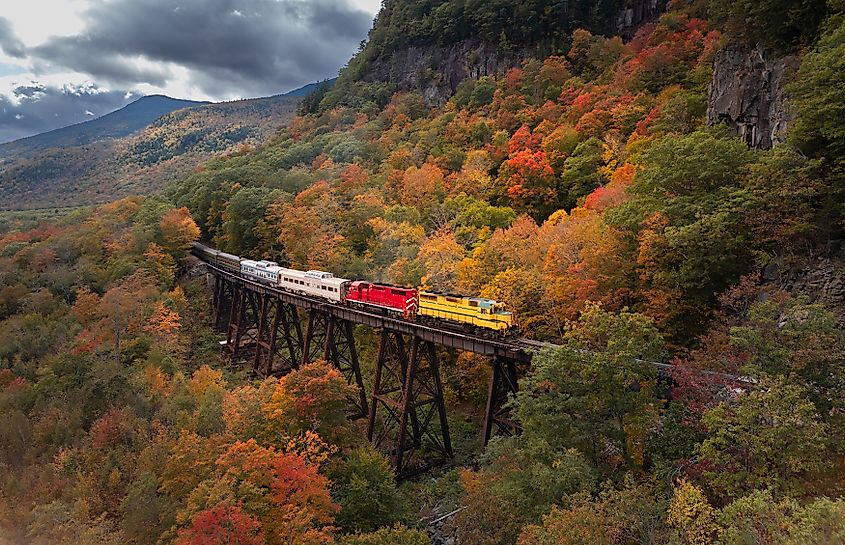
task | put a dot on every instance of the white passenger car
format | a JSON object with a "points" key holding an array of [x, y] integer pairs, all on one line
{"points": [[314, 283], [266, 272]]}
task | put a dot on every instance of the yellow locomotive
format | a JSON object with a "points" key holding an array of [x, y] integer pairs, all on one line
{"points": [[473, 311]]}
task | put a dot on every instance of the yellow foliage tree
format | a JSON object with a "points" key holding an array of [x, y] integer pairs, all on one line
{"points": [[692, 516], [160, 264], [204, 379], [441, 254], [178, 231]]}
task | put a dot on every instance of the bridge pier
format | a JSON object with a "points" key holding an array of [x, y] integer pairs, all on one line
{"points": [[279, 342], [408, 393], [221, 303], [243, 325], [503, 383], [332, 339]]}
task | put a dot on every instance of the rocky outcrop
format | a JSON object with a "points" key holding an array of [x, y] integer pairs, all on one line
{"points": [[435, 70], [820, 279], [635, 13], [747, 94]]}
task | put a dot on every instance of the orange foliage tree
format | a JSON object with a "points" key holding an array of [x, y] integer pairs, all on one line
{"points": [[178, 231], [420, 186], [530, 183], [289, 497], [312, 398]]}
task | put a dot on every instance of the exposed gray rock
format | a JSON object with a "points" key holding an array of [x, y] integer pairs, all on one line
{"points": [[771, 272], [747, 94], [822, 281], [436, 70], [636, 12]]}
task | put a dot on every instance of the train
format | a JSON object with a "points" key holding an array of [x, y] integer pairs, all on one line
{"points": [[413, 304]]}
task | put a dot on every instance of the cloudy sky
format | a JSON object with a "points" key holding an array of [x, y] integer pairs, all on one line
{"points": [[65, 61]]}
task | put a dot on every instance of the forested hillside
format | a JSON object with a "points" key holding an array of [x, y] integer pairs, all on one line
{"points": [[123, 122], [583, 187], [136, 150]]}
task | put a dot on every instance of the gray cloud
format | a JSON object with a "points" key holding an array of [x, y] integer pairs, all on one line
{"points": [[241, 47], [38, 108], [9, 43]]}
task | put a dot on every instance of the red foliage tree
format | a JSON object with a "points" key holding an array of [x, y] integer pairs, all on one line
{"points": [[530, 182], [222, 525]]}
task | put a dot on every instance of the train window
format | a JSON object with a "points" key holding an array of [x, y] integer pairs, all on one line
{"points": [[473, 303]]}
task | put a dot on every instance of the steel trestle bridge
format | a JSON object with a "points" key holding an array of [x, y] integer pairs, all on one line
{"points": [[274, 331]]}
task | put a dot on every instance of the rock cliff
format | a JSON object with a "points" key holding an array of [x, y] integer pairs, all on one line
{"points": [[821, 281], [436, 70], [747, 93]]}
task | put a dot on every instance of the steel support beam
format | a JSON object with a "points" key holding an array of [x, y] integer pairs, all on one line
{"points": [[316, 336], [407, 412], [341, 352], [503, 383], [221, 303], [279, 340], [243, 325], [333, 340]]}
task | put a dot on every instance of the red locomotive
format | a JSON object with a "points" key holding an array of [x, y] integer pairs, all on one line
{"points": [[391, 299]]}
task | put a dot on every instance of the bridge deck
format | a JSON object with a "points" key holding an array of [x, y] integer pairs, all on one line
{"points": [[520, 350]]}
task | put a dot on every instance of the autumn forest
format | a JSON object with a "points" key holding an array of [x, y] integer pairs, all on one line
{"points": [[584, 185]]}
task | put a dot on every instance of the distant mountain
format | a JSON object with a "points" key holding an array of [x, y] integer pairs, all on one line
{"points": [[305, 90], [137, 149], [132, 117]]}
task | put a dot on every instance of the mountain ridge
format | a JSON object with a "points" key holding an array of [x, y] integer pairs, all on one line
{"points": [[139, 148], [121, 122], [89, 170], [157, 105]]}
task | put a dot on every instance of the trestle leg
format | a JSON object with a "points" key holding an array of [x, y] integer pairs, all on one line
{"points": [[407, 412]]}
